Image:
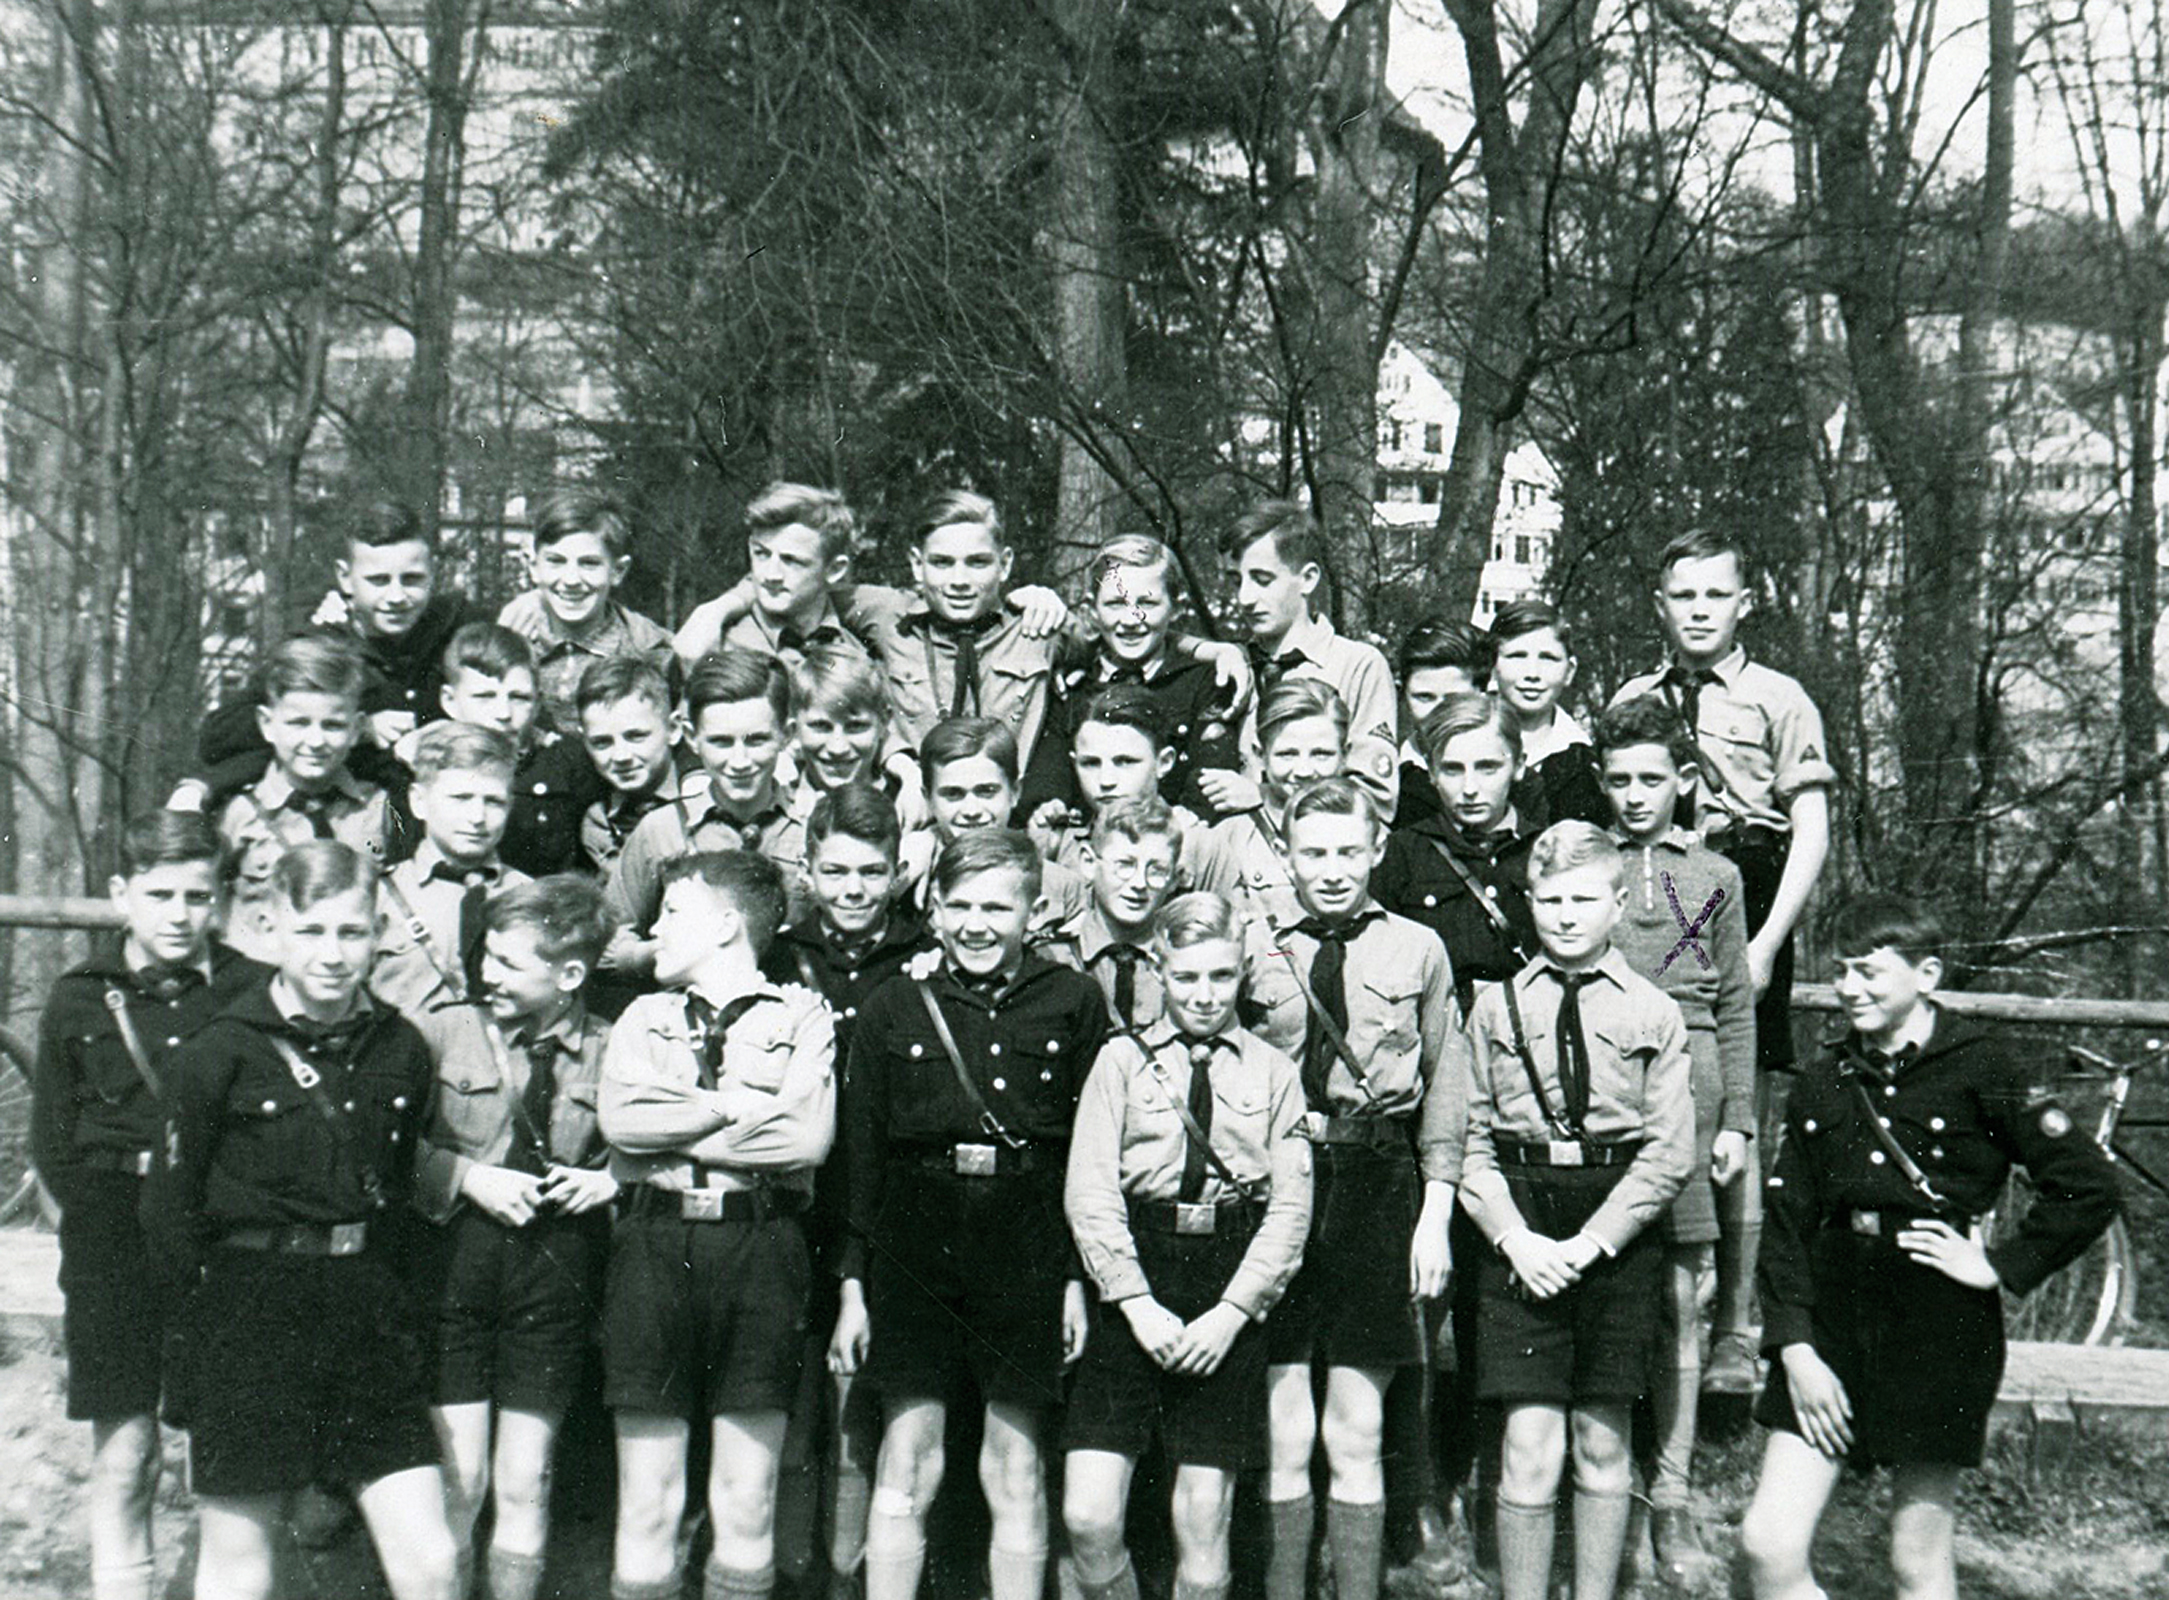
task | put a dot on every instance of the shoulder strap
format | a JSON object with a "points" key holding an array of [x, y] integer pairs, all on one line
{"points": [[1906, 1165], [449, 977], [1199, 1139], [805, 969], [987, 1119], [1484, 903], [311, 1083], [138, 1057], [1325, 1021], [1528, 1063]]}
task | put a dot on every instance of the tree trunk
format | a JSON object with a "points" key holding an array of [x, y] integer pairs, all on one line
{"points": [[2138, 591], [446, 85]]}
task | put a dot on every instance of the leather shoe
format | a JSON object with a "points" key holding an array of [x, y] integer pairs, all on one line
{"points": [[1680, 1556], [1732, 1368]]}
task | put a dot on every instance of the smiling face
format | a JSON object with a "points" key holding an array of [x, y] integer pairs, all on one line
{"points": [[961, 569], [506, 704], [980, 921], [1301, 752], [738, 742], [694, 921], [852, 883], [1270, 596], [387, 585], [519, 983], [629, 742], [463, 810], [1473, 777], [1700, 603], [1115, 762], [168, 910], [968, 794], [310, 735], [791, 578], [1133, 611], [1330, 857], [836, 747], [1643, 787], [576, 574], [324, 948], [1575, 912], [1202, 981], [1883, 991], [1130, 877], [1533, 671]]}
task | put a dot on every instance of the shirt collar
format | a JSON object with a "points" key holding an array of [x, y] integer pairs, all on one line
{"points": [[1726, 668], [1292, 915], [258, 1006], [1673, 838], [1613, 965], [1562, 732], [427, 858], [611, 636], [276, 789], [772, 633], [1311, 636], [1095, 934]]}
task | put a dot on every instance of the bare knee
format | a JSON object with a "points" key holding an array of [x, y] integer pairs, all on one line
{"points": [[1533, 1456], [1775, 1541], [1010, 1473], [650, 1504], [1094, 1519], [124, 1467], [422, 1563], [1600, 1454], [1293, 1433], [910, 1464], [1203, 1503]]}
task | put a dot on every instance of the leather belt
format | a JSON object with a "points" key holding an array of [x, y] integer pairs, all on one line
{"points": [[129, 1163], [302, 1239], [1889, 1224], [1194, 1219], [989, 1160], [1566, 1153], [1376, 1133], [715, 1205]]}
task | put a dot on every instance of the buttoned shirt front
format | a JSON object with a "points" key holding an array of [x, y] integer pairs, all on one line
{"points": [[769, 1118], [1358, 673], [1639, 1092], [695, 820], [1402, 1027], [1416, 879], [919, 657], [474, 1116], [844, 975], [1194, 709], [1130, 1144], [562, 656], [418, 959], [1761, 734], [552, 788]]}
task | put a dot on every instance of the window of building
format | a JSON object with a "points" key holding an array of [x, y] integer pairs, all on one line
{"points": [[1521, 548], [1393, 433], [1430, 489], [1434, 438]]}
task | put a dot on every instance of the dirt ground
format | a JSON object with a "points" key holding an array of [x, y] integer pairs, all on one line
{"points": [[2094, 1526]]}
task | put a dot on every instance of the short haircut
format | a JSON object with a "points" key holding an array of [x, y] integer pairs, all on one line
{"points": [[749, 880], [1297, 700], [953, 506], [1298, 538], [487, 649], [961, 738], [1443, 642], [1465, 713], [1645, 719], [616, 678], [570, 509], [1566, 845], [564, 911], [1521, 617], [826, 512], [1135, 552], [1332, 797], [724, 677], [168, 839], [462, 747], [988, 850], [1137, 820], [1701, 544], [1128, 705], [1194, 918], [844, 682], [386, 522], [320, 868], [1871, 922], [315, 663], [858, 811]]}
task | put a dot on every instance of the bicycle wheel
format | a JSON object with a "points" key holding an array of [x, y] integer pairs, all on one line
{"points": [[20, 1190], [2089, 1302]]}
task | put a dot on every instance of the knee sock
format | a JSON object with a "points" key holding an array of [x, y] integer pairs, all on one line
{"points": [[894, 1568], [1287, 1561], [737, 1583], [1355, 1536], [1734, 1312], [1525, 1540], [1186, 1590], [853, 1493], [1600, 1533], [123, 1580], [512, 1577], [1676, 1398], [1022, 1574], [1121, 1586], [661, 1589]]}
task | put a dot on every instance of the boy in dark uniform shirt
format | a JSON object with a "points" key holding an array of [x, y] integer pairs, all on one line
{"points": [[1533, 670], [633, 738], [293, 1123], [964, 1088], [106, 1044], [1883, 1313], [511, 1171], [1440, 657]]}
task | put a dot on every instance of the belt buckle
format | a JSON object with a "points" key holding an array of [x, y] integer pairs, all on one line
{"points": [[1869, 1223], [142, 1164], [700, 1205], [1565, 1153], [1196, 1217], [976, 1160], [347, 1238]]}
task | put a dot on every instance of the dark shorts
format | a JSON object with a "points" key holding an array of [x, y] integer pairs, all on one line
{"points": [[301, 1370], [705, 1318], [1589, 1345], [1760, 856], [1349, 1304], [1693, 1217], [964, 1280], [516, 1307], [115, 1319], [1122, 1400], [1921, 1357]]}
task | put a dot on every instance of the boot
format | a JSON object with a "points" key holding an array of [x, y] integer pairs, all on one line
{"points": [[1437, 1558], [1637, 1561], [1680, 1557], [1732, 1367]]}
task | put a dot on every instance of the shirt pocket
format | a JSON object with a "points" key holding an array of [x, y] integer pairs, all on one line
{"points": [[109, 1074], [1620, 1059], [471, 1108], [758, 1063], [573, 1123], [1010, 688]]}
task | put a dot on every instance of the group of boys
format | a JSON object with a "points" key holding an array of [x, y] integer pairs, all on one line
{"points": [[1209, 1045]]}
